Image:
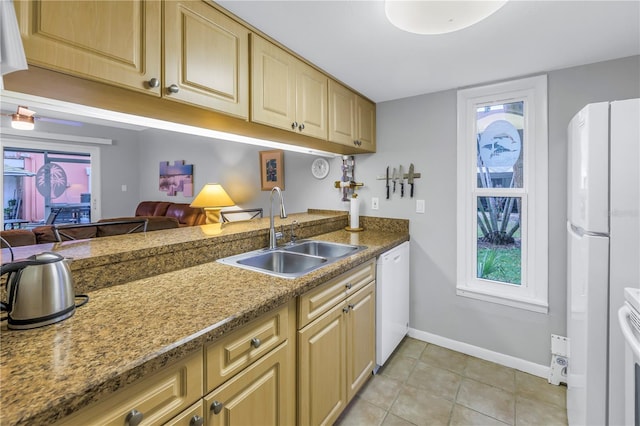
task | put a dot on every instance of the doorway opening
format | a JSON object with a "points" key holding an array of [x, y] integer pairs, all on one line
{"points": [[54, 183]]}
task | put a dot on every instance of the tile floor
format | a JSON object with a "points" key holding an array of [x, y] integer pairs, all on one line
{"points": [[425, 384]]}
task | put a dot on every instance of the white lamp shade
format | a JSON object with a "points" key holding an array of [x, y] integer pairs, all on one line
{"points": [[438, 16]]}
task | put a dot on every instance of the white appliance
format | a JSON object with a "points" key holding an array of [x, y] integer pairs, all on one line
{"points": [[603, 254], [629, 318], [392, 301]]}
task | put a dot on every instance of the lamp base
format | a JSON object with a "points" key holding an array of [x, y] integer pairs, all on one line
{"points": [[213, 215]]}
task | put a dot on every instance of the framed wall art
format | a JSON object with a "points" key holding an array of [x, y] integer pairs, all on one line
{"points": [[272, 169]]}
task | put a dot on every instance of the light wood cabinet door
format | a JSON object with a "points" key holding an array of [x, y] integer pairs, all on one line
{"points": [[361, 338], [342, 119], [366, 124], [352, 118], [206, 58], [322, 369], [311, 101], [286, 92], [273, 90], [117, 42], [262, 394]]}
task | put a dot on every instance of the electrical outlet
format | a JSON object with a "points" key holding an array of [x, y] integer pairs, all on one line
{"points": [[419, 206], [124, 188], [375, 203]]}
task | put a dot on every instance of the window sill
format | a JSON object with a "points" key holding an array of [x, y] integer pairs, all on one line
{"points": [[528, 304]]}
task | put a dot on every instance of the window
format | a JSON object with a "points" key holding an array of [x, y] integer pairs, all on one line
{"points": [[502, 193], [48, 181]]}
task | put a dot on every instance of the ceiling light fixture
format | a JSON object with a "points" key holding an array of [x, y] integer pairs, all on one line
{"points": [[438, 16], [23, 119]]}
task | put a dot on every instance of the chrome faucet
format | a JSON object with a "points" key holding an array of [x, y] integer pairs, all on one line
{"points": [[273, 235]]}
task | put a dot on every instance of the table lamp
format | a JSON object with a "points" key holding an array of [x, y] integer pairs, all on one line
{"points": [[212, 197]]}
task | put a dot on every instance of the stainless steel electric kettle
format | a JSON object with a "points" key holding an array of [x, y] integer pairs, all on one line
{"points": [[39, 291]]}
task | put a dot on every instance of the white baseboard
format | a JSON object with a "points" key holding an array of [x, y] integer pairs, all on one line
{"points": [[486, 354]]}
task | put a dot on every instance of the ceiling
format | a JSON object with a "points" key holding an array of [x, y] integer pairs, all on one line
{"points": [[354, 42]]}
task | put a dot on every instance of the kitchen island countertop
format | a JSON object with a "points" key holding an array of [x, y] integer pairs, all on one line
{"points": [[130, 330]]}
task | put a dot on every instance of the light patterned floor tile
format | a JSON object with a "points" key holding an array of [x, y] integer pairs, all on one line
{"points": [[491, 374], [411, 348], [361, 413], [489, 400], [444, 358], [437, 381], [539, 389], [393, 420], [381, 390], [463, 416], [421, 408], [533, 413], [398, 367]]}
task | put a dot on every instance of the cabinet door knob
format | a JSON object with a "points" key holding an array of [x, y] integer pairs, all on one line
{"points": [[255, 342], [345, 310], [301, 127], [173, 88], [348, 286], [133, 418], [216, 407], [196, 421], [351, 306], [294, 125], [154, 82]]}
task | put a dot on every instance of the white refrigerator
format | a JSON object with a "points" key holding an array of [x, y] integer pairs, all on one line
{"points": [[603, 245]]}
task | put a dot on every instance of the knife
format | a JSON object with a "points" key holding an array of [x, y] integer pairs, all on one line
{"points": [[410, 179], [395, 179], [387, 182], [401, 173]]}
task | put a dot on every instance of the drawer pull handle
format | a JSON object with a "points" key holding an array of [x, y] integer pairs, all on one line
{"points": [[255, 342], [196, 421], [133, 418], [216, 407]]}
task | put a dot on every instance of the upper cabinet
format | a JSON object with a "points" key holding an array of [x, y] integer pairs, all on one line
{"points": [[206, 58], [192, 52], [352, 119], [286, 92], [118, 42]]}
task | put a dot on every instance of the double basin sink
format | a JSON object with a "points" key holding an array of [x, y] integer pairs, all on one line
{"points": [[293, 260]]}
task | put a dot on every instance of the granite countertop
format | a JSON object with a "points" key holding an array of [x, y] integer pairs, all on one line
{"points": [[129, 330]]}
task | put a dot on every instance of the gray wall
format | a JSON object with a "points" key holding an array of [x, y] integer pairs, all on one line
{"points": [[422, 130]]}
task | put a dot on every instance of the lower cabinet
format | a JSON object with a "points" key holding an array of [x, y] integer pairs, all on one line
{"points": [[153, 400], [261, 394], [336, 353]]}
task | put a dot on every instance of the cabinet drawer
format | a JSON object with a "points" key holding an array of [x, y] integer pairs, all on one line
{"points": [[158, 397], [237, 351], [319, 300], [192, 416]]}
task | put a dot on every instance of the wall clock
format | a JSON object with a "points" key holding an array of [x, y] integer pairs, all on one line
{"points": [[320, 168]]}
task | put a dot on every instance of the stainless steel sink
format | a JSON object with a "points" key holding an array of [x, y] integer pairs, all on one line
{"points": [[292, 260], [322, 249], [283, 262]]}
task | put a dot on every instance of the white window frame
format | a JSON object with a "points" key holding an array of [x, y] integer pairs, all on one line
{"points": [[532, 293], [58, 145]]}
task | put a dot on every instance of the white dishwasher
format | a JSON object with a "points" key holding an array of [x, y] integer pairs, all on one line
{"points": [[392, 301]]}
